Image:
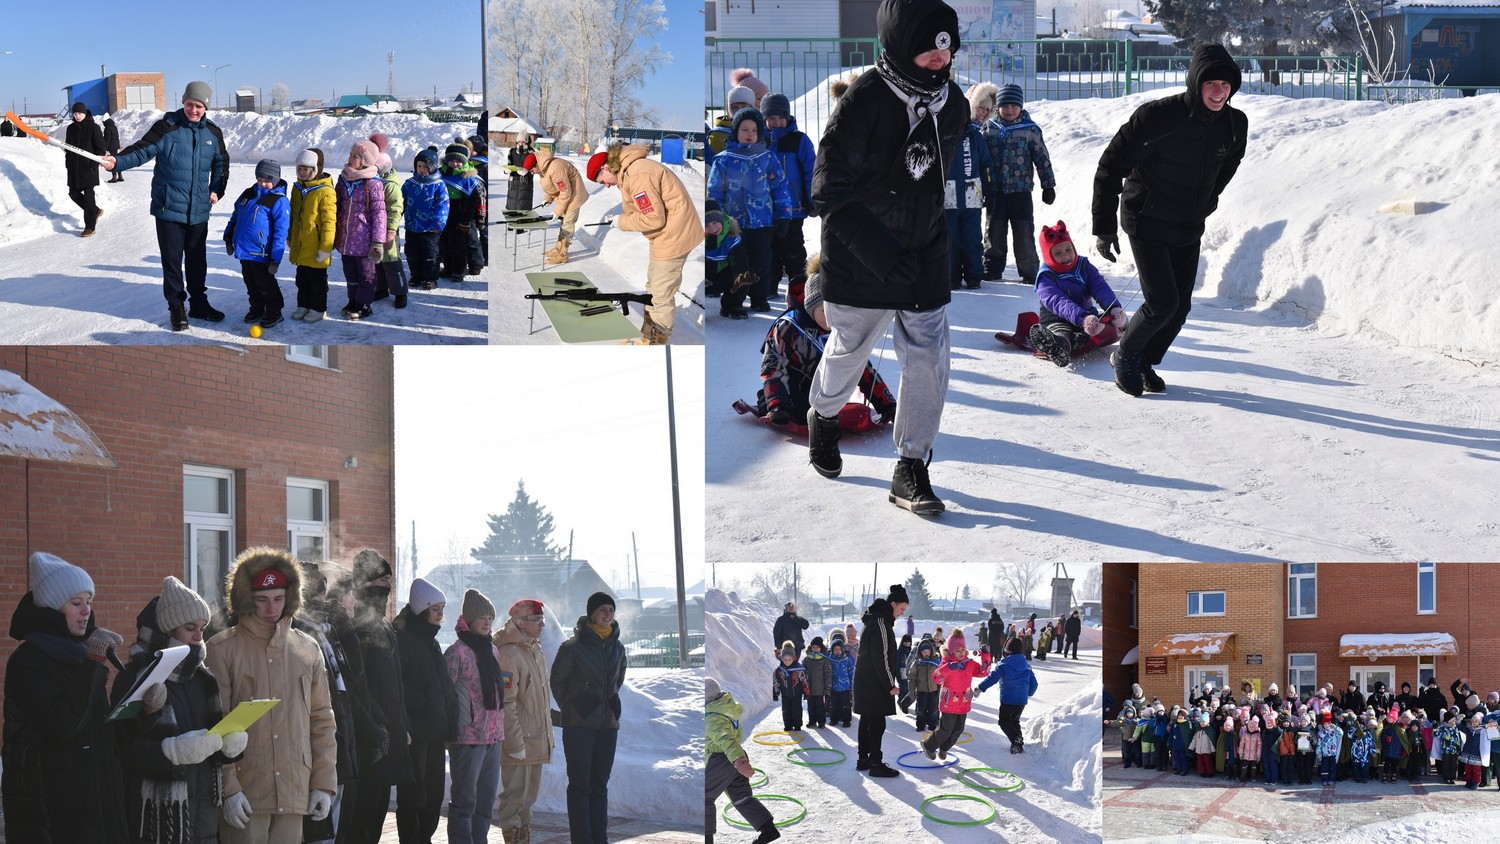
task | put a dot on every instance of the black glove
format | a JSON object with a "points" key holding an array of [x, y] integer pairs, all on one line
{"points": [[809, 210], [781, 228], [229, 248], [1109, 247], [614, 706], [779, 415], [904, 270], [886, 411], [1049, 196], [272, 267]]}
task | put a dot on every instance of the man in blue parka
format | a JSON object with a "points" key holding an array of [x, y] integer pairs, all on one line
{"points": [[192, 172], [1017, 685]]}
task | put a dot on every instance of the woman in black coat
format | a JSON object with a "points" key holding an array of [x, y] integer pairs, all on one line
{"points": [[83, 173], [431, 710], [876, 682], [518, 195], [586, 678], [112, 146]]}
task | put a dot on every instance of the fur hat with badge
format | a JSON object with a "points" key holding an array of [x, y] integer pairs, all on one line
{"points": [[260, 569]]}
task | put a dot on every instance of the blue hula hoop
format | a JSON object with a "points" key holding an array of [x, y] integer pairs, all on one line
{"points": [[952, 760]]}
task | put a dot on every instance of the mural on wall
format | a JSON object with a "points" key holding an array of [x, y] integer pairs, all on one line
{"points": [[1438, 53], [995, 21]]}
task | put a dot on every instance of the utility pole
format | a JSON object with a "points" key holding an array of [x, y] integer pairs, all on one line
{"points": [[637, 555], [682, 647], [390, 73], [484, 66]]}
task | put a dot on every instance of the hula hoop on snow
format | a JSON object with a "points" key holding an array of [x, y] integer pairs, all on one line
{"points": [[764, 778], [960, 741], [952, 760], [798, 740], [788, 822], [980, 822], [1019, 783], [791, 753]]}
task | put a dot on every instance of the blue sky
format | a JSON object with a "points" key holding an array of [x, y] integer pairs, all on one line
{"points": [[305, 45]]}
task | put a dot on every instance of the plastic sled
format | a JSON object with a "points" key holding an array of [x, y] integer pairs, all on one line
{"points": [[1021, 339], [854, 418]]}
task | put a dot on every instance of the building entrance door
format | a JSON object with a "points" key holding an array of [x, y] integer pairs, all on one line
{"points": [[1194, 676]]}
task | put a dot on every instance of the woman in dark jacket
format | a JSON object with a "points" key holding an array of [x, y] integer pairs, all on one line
{"points": [[518, 194], [586, 678], [112, 145], [169, 760], [83, 173], [431, 711], [878, 185], [875, 679], [62, 779]]}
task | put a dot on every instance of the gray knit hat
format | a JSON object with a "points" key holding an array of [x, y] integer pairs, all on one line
{"points": [[198, 91], [775, 105], [711, 689], [268, 170], [476, 605], [812, 293], [178, 605], [54, 581], [739, 95], [1011, 95], [423, 595]]}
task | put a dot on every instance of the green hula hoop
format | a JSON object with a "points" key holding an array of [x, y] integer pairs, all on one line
{"points": [[1017, 787], [764, 778], [788, 822], [985, 820], [960, 741], [791, 753], [798, 740]]}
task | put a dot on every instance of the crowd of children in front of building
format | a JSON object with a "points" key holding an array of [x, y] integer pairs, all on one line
{"points": [[1272, 740]]}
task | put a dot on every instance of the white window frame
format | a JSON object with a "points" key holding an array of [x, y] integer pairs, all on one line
{"points": [[194, 521], [1426, 669], [1293, 581], [318, 356], [1292, 686], [1200, 593], [296, 528], [1192, 675], [144, 97], [1430, 570], [1361, 675]]}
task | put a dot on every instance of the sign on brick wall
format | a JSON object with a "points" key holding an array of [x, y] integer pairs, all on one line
{"points": [[1253, 659], [1156, 665]]}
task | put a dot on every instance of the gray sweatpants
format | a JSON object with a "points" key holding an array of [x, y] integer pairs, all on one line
{"points": [[921, 343], [721, 777]]}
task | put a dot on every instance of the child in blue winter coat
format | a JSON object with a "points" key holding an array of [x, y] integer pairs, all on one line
{"points": [[1067, 291], [1017, 148], [1362, 749], [795, 152], [840, 707], [425, 202], [1017, 685], [257, 235], [970, 186], [748, 184], [789, 685]]}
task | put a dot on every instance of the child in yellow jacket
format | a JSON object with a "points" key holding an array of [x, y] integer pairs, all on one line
{"points": [[310, 242]]}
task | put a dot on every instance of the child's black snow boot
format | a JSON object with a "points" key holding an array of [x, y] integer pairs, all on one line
{"points": [[768, 832], [911, 490], [880, 769], [823, 444], [1057, 348]]}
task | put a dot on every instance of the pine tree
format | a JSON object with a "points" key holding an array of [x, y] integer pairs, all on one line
{"points": [[524, 530], [921, 601], [966, 594]]}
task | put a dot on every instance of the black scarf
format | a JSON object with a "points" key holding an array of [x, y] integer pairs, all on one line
{"points": [[489, 670], [907, 83]]}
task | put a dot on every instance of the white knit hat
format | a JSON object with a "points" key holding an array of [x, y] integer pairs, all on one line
{"points": [[54, 581], [178, 605], [423, 595]]}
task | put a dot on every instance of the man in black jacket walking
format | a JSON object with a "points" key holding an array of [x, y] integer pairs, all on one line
{"points": [[788, 628], [1172, 160], [878, 185], [1072, 629], [876, 682], [112, 145]]}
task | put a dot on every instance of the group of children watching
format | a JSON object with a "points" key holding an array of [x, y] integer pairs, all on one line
{"points": [[359, 215], [1273, 739]]}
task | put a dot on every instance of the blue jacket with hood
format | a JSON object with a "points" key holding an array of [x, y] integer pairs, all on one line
{"points": [[191, 163], [260, 222], [1017, 682]]}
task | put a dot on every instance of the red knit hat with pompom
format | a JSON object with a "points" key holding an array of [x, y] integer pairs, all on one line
{"points": [[1050, 237]]}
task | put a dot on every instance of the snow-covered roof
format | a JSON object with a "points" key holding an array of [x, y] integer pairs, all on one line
{"points": [[1185, 644], [36, 427], [1397, 644], [1132, 656], [513, 125]]}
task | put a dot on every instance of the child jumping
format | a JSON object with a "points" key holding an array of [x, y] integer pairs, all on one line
{"points": [[955, 677], [1017, 685]]}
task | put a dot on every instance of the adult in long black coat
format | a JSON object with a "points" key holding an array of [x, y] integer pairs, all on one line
{"points": [[788, 628], [384, 756], [1072, 629], [586, 678], [1172, 160], [83, 173], [876, 682], [996, 632], [112, 145], [878, 186], [1380, 699], [431, 710], [519, 193], [1353, 699], [1432, 701]]}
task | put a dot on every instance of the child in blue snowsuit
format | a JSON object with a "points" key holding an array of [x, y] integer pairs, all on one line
{"points": [[795, 151], [1392, 749], [257, 234], [1362, 749], [789, 684], [1017, 685], [1016, 147], [841, 706], [1161, 728], [1067, 291], [1178, 740], [425, 203], [970, 186], [747, 182]]}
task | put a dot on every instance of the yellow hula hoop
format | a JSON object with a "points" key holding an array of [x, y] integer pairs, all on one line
{"points": [[798, 740], [960, 741]]}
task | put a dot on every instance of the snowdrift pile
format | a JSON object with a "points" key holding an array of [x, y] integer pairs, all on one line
{"points": [[739, 653], [1069, 731]]}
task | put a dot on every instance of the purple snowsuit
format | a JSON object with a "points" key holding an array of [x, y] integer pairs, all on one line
{"points": [[361, 212]]}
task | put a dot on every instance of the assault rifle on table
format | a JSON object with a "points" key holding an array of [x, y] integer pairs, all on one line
{"points": [[593, 294]]}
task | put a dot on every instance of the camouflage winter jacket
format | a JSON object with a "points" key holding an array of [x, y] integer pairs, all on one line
{"points": [[1016, 148]]}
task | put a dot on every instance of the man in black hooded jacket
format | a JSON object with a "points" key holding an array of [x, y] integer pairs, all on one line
{"points": [[1172, 160], [878, 185]]}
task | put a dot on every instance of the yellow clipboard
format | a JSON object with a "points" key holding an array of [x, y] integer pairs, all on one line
{"points": [[242, 717]]}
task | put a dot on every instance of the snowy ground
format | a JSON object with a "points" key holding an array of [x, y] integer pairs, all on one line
{"points": [[1142, 805], [1334, 354], [1060, 799], [613, 259], [57, 288]]}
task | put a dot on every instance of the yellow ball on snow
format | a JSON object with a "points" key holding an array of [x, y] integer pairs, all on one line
{"points": [[255, 331]]}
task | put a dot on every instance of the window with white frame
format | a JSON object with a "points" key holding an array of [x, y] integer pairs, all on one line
{"points": [[1206, 603], [307, 519], [310, 355], [1301, 674], [1426, 670], [1302, 590], [1426, 588], [207, 529], [140, 97]]}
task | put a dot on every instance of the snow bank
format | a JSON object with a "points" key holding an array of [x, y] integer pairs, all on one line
{"points": [[33, 191], [738, 654], [1425, 827], [1069, 732]]}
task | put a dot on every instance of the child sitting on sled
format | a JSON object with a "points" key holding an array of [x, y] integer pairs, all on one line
{"points": [[1067, 289], [792, 349]]}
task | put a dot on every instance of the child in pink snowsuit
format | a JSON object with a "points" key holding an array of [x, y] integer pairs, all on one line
{"points": [[955, 679]]}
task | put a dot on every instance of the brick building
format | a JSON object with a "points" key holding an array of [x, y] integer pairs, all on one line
{"points": [[1303, 624], [219, 449], [1121, 656]]}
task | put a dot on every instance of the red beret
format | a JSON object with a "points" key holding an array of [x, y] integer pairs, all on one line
{"points": [[596, 161], [271, 578], [529, 163]]}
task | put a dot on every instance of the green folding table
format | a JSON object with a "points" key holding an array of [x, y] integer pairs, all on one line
{"points": [[567, 317]]}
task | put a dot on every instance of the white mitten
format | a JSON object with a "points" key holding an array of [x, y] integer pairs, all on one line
{"points": [[319, 804], [519, 754], [324, 257], [237, 810], [192, 747], [234, 744]]}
